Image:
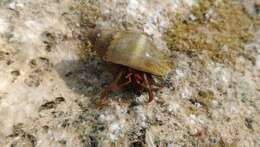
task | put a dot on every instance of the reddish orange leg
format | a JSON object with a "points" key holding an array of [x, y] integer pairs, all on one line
{"points": [[111, 87], [114, 86], [151, 96], [146, 85]]}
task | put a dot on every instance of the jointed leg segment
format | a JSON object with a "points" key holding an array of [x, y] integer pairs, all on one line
{"points": [[114, 86], [144, 80], [147, 85]]}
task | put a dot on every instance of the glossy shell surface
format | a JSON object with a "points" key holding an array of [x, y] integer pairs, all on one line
{"points": [[136, 50]]}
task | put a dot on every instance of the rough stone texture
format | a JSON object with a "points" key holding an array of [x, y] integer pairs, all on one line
{"points": [[47, 86]]}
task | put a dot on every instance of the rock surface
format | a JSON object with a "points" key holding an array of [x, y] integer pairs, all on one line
{"points": [[49, 79]]}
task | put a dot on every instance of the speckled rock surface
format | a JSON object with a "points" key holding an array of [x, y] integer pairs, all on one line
{"points": [[49, 80]]}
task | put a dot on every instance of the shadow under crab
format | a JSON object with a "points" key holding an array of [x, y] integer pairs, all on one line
{"points": [[89, 76]]}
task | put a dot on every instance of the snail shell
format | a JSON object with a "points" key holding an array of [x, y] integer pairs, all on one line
{"points": [[135, 50]]}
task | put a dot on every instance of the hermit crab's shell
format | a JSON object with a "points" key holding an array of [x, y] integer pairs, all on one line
{"points": [[136, 50]]}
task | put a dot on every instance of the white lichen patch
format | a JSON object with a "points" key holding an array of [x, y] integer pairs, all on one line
{"points": [[257, 64], [190, 3], [186, 92], [29, 32], [115, 130], [140, 116], [223, 76], [174, 107], [3, 25], [15, 4]]}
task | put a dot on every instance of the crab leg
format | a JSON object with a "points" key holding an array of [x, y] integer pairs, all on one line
{"points": [[126, 83], [113, 86], [149, 88], [146, 85]]}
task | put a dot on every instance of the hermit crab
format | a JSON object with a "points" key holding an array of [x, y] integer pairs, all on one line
{"points": [[135, 56]]}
